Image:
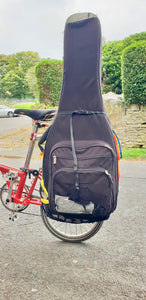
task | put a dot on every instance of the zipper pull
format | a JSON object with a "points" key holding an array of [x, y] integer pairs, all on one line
{"points": [[54, 159], [109, 175]]}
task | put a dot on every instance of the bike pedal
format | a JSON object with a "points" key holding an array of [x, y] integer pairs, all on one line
{"points": [[13, 218]]}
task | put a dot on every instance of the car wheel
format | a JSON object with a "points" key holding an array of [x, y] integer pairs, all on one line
{"points": [[10, 114]]}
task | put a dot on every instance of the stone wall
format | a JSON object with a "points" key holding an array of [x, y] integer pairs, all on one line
{"points": [[129, 122]]}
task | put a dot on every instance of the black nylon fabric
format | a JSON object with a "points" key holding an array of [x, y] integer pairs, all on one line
{"points": [[82, 58], [81, 90]]}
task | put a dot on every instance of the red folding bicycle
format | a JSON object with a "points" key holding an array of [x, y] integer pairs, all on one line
{"points": [[16, 195]]}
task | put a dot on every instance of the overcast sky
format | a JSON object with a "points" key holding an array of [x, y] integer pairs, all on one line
{"points": [[38, 25]]}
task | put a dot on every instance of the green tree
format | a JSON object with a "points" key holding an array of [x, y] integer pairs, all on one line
{"points": [[111, 67], [133, 73], [19, 63], [13, 85], [12, 63], [26, 60], [49, 81], [4, 61], [31, 82], [111, 62]]}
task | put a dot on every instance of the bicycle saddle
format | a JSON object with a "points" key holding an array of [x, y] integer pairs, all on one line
{"points": [[36, 114]]}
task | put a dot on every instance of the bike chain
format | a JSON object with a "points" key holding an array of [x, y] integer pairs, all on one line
{"points": [[22, 212], [25, 213]]}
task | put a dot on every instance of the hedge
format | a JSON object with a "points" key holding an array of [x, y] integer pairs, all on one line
{"points": [[49, 81], [111, 62], [49, 72], [133, 65]]}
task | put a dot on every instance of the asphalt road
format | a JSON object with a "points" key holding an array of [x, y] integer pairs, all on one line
{"points": [[8, 125], [110, 266]]}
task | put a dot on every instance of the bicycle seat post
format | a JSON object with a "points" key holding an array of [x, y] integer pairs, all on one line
{"points": [[31, 144], [37, 116]]}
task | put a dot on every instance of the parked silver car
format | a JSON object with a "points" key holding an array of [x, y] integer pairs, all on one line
{"points": [[6, 111]]}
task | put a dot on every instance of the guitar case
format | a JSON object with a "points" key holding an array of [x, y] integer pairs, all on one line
{"points": [[80, 166]]}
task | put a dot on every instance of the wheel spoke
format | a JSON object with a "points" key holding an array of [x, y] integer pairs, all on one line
{"points": [[68, 231], [9, 204]]}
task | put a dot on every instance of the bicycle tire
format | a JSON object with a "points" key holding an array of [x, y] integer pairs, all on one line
{"points": [[61, 229], [12, 206]]}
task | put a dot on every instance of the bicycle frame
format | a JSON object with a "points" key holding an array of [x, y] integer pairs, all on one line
{"points": [[13, 175]]}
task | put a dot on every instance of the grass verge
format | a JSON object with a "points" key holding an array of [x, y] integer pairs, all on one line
{"points": [[134, 153], [25, 105], [34, 105]]}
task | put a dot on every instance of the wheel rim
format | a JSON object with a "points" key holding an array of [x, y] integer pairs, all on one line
{"points": [[10, 114], [70, 232], [11, 205]]}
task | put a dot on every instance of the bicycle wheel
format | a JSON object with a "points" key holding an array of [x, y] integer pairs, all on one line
{"points": [[10, 205], [69, 232]]}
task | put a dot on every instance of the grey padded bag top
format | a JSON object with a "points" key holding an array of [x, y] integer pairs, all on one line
{"points": [[80, 167]]}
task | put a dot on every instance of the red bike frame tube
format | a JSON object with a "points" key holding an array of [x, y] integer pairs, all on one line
{"points": [[31, 145], [21, 186], [5, 169], [22, 175]]}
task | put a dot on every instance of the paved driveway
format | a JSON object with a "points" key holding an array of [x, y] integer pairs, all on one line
{"points": [[8, 125], [110, 266]]}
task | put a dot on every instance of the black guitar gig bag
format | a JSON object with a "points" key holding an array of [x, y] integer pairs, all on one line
{"points": [[80, 166]]}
